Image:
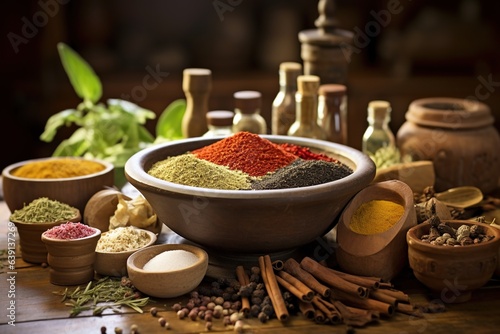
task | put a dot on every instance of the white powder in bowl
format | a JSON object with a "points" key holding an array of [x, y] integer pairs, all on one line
{"points": [[171, 260]]}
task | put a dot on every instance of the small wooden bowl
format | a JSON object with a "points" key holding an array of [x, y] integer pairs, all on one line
{"points": [[71, 260], [168, 284], [75, 191], [383, 254], [452, 273], [115, 263]]}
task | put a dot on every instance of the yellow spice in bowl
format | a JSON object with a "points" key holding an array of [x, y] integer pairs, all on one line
{"points": [[375, 216]]}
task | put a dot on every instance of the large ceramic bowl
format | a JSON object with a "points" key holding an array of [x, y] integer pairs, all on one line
{"points": [[75, 191], [166, 283], [249, 221], [452, 273]]}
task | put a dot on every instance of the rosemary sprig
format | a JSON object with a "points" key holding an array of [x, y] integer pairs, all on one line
{"points": [[106, 293]]}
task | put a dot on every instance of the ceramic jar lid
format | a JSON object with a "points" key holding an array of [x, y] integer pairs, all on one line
{"points": [[450, 113]]}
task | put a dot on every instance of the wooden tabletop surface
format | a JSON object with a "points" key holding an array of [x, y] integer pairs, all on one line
{"points": [[29, 305]]}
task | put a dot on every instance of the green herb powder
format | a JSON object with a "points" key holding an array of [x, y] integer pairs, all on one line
{"points": [[188, 170], [44, 210]]}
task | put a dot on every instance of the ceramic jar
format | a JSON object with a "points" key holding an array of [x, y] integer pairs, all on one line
{"points": [[71, 261], [458, 136]]}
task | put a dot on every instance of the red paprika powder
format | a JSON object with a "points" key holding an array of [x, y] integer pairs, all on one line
{"points": [[304, 152], [246, 152]]}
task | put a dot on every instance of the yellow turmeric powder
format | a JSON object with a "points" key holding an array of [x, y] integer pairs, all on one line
{"points": [[58, 168], [375, 216]]}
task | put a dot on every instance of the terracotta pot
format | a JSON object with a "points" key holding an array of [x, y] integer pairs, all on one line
{"points": [[458, 136], [71, 260], [452, 273]]}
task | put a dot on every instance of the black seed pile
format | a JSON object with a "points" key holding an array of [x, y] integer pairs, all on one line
{"points": [[302, 173]]}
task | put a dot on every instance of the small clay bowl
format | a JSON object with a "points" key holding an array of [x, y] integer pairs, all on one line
{"points": [[71, 260], [75, 191], [384, 254], [449, 272], [115, 263], [33, 250], [166, 284]]}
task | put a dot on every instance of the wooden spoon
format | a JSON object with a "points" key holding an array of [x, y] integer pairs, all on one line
{"points": [[460, 197]]}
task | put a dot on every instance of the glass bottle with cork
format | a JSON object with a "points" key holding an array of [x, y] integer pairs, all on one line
{"points": [[306, 98], [283, 108], [247, 115], [378, 136], [332, 112], [220, 123], [196, 84]]}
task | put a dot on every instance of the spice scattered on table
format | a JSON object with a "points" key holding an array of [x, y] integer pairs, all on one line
{"points": [[70, 230], [375, 216], [122, 239], [246, 152], [188, 170], [106, 293], [44, 210], [171, 260], [58, 168]]}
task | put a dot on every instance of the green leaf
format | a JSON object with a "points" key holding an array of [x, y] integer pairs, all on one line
{"points": [[85, 82], [65, 117], [169, 123]]}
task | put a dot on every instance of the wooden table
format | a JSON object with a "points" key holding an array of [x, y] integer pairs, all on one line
{"points": [[36, 309]]}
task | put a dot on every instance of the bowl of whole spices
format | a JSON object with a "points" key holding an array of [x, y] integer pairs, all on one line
{"points": [[71, 252], [248, 193], [35, 218], [116, 245], [453, 257], [72, 180]]}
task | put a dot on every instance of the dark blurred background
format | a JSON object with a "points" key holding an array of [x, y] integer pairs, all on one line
{"points": [[445, 48]]}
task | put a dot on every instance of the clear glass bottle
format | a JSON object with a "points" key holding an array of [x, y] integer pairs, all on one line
{"points": [[220, 123], [196, 84], [378, 134], [283, 109], [247, 115], [306, 98], [332, 112]]}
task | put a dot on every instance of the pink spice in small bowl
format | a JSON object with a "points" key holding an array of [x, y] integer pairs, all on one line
{"points": [[69, 230]]}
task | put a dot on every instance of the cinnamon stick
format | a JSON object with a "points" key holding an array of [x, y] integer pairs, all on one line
{"points": [[383, 297], [364, 303], [292, 267], [368, 282], [288, 286], [243, 279], [272, 287], [307, 309], [305, 293], [409, 309], [328, 309], [398, 294], [326, 275]]}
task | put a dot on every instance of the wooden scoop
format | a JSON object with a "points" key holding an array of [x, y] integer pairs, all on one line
{"points": [[460, 197]]}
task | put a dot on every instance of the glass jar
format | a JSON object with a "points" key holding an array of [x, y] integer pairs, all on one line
{"points": [[247, 115], [332, 112], [458, 136], [220, 123], [283, 109], [378, 135], [306, 98]]}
